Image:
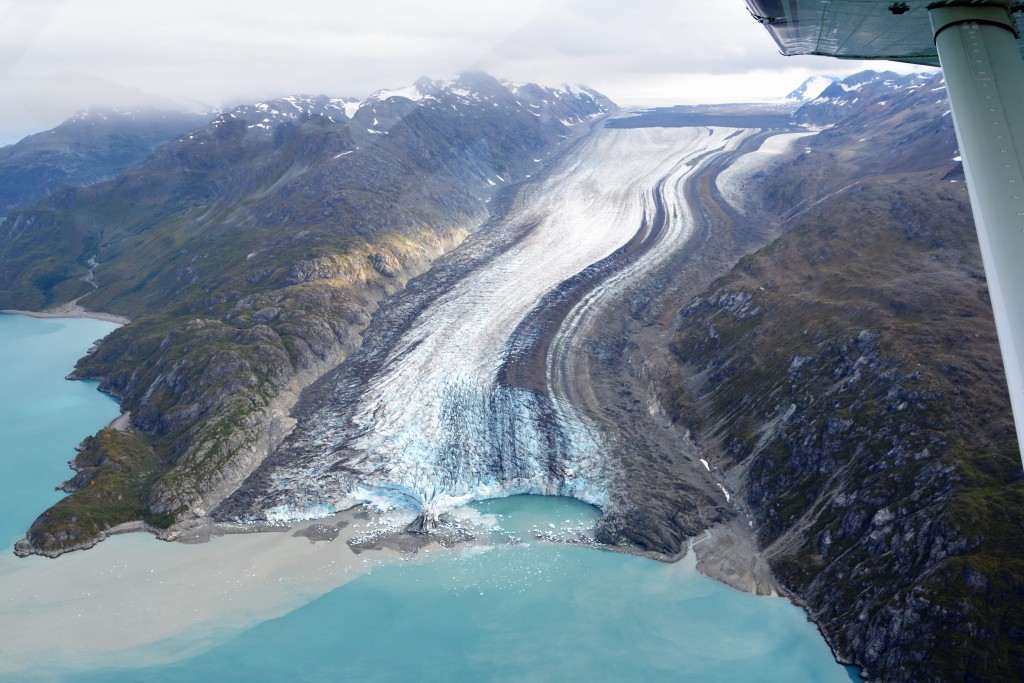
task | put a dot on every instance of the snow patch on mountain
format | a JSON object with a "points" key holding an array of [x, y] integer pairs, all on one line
{"points": [[857, 92], [570, 104], [266, 116], [810, 89]]}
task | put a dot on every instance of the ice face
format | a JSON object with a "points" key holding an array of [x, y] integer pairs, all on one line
{"points": [[472, 442]]}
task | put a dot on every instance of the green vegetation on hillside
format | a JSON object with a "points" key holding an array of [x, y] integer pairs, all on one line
{"points": [[113, 473]]}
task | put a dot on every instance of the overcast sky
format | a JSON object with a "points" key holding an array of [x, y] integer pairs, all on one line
{"points": [[58, 56]]}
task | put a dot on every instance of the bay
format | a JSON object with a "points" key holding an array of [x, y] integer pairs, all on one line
{"points": [[509, 607], [515, 609]]}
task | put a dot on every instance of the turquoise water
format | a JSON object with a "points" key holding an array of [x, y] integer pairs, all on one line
{"points": [[522, 612], [509, 609], [42, 415]]}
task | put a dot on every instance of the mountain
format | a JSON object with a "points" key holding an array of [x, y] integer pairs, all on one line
{"points": [[842, 382], [810, 89], [296, 161], [93, 145], [851, 95], [249, 254], [847, 382], [266, 117]]}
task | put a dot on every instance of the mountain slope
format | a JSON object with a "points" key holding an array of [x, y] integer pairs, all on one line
{"points": [[810, 89], [91, 146], [249, 254], [847, 380]]}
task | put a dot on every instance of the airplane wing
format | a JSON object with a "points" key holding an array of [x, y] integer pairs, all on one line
{"points": [[861, 29], [979, 45]]}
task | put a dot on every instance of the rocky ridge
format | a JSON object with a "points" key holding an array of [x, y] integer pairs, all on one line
{"points": [[847, 97]]}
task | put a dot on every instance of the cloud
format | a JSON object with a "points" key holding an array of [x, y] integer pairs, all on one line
{"points": [[232, 51], [20, 26]]}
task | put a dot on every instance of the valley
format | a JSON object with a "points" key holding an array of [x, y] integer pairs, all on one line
{"points": [[760, 332], [465, 386]]}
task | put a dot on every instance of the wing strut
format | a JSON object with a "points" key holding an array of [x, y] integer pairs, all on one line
{"points": [[979, 47], [985, 80]]}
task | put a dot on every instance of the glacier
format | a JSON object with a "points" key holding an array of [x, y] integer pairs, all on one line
{"points": [[426, 420]]}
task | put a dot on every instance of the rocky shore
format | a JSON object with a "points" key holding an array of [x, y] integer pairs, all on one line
{"points": [[71, 310]]}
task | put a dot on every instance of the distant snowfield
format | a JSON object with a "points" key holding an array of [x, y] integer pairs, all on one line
{"points": [[435, 430]]}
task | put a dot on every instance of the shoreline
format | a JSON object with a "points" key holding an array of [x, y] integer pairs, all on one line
{"points": [[70, 310], [726, 554], [138, 591]]}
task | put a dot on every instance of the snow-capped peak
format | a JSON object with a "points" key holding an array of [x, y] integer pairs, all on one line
{"points": [[409, 92], [811, 88], [460, 86], [265, 116], [478, 88], [382, 109]]}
